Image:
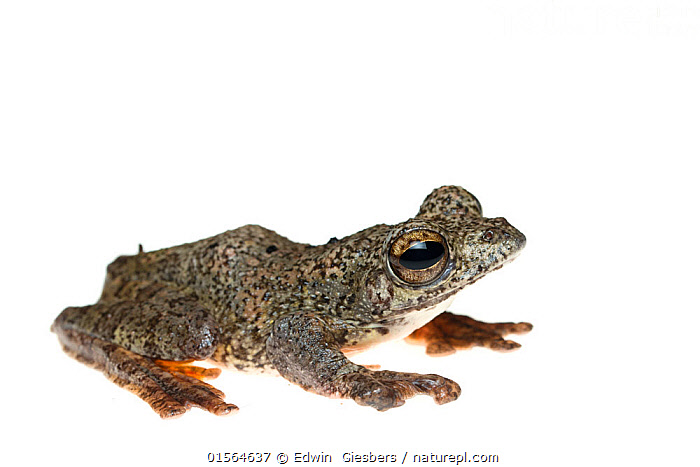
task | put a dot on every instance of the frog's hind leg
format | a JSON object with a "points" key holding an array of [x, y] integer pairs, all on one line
{"points": [[122, 339], [186, 368], [449, 332], [170, 393]]}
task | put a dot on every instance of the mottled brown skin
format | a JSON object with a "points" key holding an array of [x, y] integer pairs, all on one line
{"points": [[253, 300]]}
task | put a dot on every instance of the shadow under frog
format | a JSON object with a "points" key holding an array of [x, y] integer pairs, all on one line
{"points": [[253, 300]]}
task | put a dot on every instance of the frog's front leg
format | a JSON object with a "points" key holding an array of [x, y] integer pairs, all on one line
{"points": [[449, 332], [146, 346], [304, 349]]}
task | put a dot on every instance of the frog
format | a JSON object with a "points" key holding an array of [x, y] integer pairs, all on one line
{"points": [[252, 300]]}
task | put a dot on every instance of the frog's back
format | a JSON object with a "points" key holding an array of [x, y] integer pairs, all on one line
{"points": [[206, 265]]}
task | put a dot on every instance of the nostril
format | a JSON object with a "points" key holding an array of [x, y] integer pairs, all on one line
{"points": [[487, 236]]}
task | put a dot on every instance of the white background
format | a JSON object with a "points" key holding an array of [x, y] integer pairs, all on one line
{"points": [[165, 122]]}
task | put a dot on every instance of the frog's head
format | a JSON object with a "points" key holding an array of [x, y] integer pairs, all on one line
{"points": [[447, 246]]}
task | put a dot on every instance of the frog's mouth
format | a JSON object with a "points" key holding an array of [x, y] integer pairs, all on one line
{"points": [[468, 277], [445, 298], [480, 269]]}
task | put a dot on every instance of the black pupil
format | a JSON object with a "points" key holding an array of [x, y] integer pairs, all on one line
{"points": [[422, 255]]}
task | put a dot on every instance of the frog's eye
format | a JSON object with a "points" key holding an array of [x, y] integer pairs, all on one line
{"points": [[418, 256]]}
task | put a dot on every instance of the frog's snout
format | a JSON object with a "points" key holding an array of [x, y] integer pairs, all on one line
{"points": [[513, 239], [503, 231], [519, 239], [506, 238]]}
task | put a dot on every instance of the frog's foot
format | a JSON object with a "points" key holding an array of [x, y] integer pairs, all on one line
{"points": [[384, 390], [182, 383], [304, 350], [449, 332], [170, 388]]}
